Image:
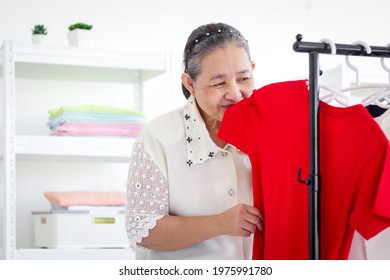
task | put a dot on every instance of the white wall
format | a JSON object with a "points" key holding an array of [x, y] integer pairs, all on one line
{"points": [[269, 26]]}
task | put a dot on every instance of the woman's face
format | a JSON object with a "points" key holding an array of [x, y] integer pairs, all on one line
{"points": [[225, 79]]}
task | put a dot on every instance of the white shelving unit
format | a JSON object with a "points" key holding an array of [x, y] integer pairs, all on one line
{"points": [[31, 161]]}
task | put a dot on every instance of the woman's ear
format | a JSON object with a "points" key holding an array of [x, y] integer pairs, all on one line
{"points": [[187, 82]]}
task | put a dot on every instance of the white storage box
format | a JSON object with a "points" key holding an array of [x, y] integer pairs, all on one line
{"points": [[69, 230]]}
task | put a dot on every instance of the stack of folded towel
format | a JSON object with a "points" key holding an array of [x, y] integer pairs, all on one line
{"points": [[95, 120], [87, 201]]}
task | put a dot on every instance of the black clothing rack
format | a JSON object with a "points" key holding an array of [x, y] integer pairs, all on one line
{"points": [[314, 179]]}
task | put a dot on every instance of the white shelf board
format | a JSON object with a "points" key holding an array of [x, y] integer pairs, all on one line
{"points": [[74, 254], [34, 61], [116, 148]]}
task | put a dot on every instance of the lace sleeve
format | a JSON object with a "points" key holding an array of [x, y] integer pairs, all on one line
{"points": [[147, 195]]}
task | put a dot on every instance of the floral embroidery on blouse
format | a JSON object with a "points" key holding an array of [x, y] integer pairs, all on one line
{"points": [[200, 147], [147, 195]]}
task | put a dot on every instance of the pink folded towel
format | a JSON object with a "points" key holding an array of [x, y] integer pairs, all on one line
{"points": [[93, 198], [97, 129]]}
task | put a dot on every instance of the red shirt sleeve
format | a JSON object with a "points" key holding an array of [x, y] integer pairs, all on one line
{"points": [[371, 213], [237, 126]]}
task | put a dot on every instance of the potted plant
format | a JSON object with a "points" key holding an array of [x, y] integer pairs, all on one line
{"points": [[39, 33], [80, 35]]}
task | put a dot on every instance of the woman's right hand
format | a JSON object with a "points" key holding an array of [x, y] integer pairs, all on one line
{"points": [[175, 232], [241, 220]]}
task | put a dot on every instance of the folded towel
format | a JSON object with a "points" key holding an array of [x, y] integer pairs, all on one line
{"points": [[81, 129], [103, 118], [88, 209], [91, 108], [92, 198]]}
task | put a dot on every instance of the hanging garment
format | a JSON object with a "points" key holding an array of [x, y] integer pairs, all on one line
{"points": [[379, 246], [354, 170], [384, 123], [375, 110]]}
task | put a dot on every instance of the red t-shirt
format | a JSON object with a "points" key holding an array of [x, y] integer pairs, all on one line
{"points": [[272, 127]]}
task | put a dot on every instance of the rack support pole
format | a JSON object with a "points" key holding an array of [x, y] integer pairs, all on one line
{"points": [[314, 179]]}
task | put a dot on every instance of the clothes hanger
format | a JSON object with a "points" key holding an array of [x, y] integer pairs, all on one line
{"points": [[354, 68], [382, 88], [334, 94], [384, 66], [386, 96], [383, 98], [380, 98]]}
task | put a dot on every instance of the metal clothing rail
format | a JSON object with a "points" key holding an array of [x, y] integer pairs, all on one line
{"points": [[314, 179]]}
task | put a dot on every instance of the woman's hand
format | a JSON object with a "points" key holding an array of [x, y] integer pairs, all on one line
{"points": [[174, 232], [241, 220]]}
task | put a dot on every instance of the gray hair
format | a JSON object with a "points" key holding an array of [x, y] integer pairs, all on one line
{"points": [[204, 40]]}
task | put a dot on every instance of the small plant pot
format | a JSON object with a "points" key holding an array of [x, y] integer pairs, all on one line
{"points": [[80, 38], [38, 39]]}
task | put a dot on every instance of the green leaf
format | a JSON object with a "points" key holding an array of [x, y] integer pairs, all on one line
{"points": [[39, 29], [80, 25]]}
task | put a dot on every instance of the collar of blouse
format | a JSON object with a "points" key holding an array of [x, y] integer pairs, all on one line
{"points": [[200, 147]]}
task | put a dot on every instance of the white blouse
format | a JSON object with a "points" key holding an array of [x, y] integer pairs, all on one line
{"points": [[176, 169]]}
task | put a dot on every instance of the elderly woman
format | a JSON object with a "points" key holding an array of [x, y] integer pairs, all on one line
{"points": [[189, 193]]}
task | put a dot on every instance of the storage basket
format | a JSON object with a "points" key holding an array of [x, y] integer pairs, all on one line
{"points": [[66, 230]]}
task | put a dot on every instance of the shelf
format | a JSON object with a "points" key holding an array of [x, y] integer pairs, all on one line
{"points": [[74, 254], [23, 69], [71, 63], [36, 147]]}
